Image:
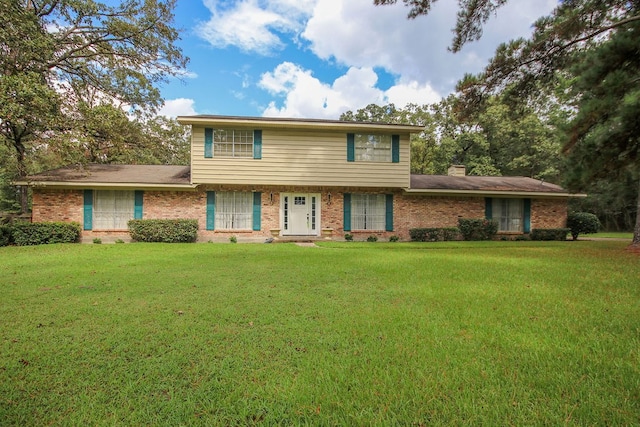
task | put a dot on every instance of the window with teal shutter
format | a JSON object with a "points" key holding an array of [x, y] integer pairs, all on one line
{"points": [[347, 212], [351, 147], [208, 143], [257, 144], [257, 205], [88, 210], [526, 214], [395, 148], [488, 208], [389, 212], [137, 206], [211, 210]]}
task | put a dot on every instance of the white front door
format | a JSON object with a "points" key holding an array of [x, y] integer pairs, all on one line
{"points": [[301, 214]]}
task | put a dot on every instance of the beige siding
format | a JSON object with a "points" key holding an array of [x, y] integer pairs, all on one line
{"points": [[298, 157]]}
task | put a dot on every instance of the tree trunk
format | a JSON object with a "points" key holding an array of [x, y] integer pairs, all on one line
{"points": [[635, 243]]}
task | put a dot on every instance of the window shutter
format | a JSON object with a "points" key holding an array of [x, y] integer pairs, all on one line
{"points": [[388, 212], [395, 148], [257, 144], [488, 208], [351, 147], [211, 210], [88, 210], [257, 205], [347, 212], [208, 143], [137, 207], [526, 214]]}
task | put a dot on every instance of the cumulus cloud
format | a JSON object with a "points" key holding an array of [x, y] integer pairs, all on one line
{"points": [[254, 25], [303, 95], [177, 107]]}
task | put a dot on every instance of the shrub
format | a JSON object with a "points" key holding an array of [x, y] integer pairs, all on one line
{"points": [[372, 238], [164, 230], [434, 234], [119, 241], [97, 241], [233, 239], [42, 233], [394, 238], [348, 237], [477, 228], [582, 223], [559, 234], [5, 235]]}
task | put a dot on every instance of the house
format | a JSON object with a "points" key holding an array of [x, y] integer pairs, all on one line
{"points": [[257, 177]]}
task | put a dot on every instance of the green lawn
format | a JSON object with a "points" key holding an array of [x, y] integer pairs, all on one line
{"points": [[499, 333]]}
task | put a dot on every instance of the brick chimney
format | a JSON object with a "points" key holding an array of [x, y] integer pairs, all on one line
{"points": [[457, 170]]}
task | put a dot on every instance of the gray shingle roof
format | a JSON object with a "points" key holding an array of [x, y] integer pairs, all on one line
{"points": [[118, 174], [517, 184]]}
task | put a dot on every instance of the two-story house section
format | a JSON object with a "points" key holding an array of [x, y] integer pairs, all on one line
{"points": [[255, 178]]}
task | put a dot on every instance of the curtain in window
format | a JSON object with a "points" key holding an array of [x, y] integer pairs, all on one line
{"points": [[112, 209], [368, 211], [373, 148], [234, 210], [508, 213]]}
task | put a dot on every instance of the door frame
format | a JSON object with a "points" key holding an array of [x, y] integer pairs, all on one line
{"points": [[287, 198]]}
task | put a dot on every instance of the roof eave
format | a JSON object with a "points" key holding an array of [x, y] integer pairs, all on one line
{"points": [[106, 185], [295, 123], [479, 193]]}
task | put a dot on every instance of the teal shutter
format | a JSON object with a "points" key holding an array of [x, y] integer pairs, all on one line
{"points": [[257, 205], [526, 227], [211, 210], [88, 210], [351, 147], [257, 144], [208, 143], [389, 212], [395, 148], [347, 212], [488, 208], [137, 206]]}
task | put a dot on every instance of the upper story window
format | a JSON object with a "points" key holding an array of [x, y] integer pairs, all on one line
{"points": [[232, 143], [373, 148]]}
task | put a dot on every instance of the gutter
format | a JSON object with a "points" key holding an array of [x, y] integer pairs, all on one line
{"points": [[105, 185]]}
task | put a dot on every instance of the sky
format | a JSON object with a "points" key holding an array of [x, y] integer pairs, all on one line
{"points": [[321, 58]]}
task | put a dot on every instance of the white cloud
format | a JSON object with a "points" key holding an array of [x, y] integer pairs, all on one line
{"points": [[254, 25], [177, 107], [303, 95]]}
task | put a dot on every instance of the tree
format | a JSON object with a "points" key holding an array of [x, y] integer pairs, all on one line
{"points": [[602, 138], [57, 55]]}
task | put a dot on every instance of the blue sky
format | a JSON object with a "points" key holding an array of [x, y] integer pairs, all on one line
{"points": [[320, 58]]}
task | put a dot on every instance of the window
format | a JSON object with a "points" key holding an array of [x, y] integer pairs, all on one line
{"points": [[372, 148], [509, 214], [232, 143], [112, 209], [368, 211], [234, 210]]}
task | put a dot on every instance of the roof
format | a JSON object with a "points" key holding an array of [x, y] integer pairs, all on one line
{"points": [[485, 185], [99, 175], [293, 123]]}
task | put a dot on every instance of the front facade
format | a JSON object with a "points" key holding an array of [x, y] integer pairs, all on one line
{"points": [[254, 178]]}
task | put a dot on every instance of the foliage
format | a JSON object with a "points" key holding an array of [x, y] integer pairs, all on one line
{"points": [[183, 335], [477, 228], [372, 238], [559, 234], [5, 235], [394, 238], [233, 239], [97, 241], [348, 237], [434, 234], [582, 223], [42, 233], [164, 230]]}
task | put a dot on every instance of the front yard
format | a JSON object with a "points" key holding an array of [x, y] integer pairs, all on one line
{"points": [[497, 333]]}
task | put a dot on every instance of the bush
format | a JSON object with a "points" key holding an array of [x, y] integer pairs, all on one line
{"points": [[348, 237], [582, 223], [164, 230], [559, 234], [233, 239], [394, 238], [372, 238], [477, 229], [5, 235], [97, 241], [434, 234], [42, 233]]}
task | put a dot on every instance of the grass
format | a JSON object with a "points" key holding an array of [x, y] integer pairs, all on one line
{"points": [[611, 235], [521, 333]]}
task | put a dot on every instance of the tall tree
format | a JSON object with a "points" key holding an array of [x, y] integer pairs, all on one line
{"points": [[58, 53], [602, 138]]}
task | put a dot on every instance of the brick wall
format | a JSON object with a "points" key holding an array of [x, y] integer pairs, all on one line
{"points": [[409, 211]]}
